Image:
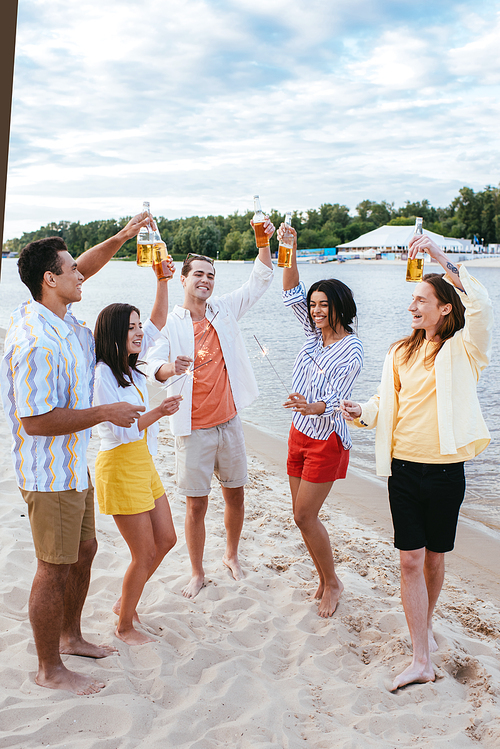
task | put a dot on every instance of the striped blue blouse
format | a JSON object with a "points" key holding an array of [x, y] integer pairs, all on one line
{"points": [[329, 378]]}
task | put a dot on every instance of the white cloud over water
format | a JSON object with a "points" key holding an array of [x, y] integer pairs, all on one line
{"points": [[197, 104]]}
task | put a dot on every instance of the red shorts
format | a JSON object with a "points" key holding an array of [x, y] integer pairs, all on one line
{"points": [[316, 461]]}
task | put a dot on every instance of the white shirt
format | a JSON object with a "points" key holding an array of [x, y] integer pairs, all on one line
{"points": [[107, 390], [48, 363], [178, 339]]}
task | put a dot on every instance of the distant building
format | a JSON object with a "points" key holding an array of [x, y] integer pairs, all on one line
{"points": [[394, 240]]}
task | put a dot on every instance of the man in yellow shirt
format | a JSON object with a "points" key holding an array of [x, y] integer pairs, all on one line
{"points": [[428, 423]]}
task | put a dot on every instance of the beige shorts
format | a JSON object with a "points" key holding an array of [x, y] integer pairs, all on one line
{"points": [[219, 450], [60, 521]]}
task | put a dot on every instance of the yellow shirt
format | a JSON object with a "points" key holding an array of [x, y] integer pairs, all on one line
{"points": [[416, 434]]}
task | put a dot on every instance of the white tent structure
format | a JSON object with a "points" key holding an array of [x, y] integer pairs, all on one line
{"points": [[396, 239]]}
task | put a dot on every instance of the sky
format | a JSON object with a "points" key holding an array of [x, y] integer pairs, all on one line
{"points": [[196, 105]]}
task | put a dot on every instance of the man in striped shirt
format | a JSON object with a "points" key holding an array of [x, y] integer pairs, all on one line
{"points": [[47, 376]]}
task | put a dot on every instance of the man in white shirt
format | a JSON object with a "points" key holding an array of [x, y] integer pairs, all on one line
{"points": [[208, 434], [47, 379]]}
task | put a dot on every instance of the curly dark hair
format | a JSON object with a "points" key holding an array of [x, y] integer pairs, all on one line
{"points": [[111, 331], [37, 258], [341, 305]]}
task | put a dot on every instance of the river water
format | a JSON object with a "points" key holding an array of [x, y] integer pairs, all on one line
{"points": [[382, 297]]}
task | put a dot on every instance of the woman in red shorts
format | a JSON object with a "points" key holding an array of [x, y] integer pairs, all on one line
{"points": [[318, 445]]}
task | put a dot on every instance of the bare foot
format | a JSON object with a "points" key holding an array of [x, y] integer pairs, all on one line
{"points": [[234, 566], [133, 637], [62, 678], [319, 592], [193, 587], [330, 599], [414, 674], [433, 646], [79, 646], [116, 610]]}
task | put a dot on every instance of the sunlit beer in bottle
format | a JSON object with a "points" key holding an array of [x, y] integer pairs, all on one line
{"points": [[415, 265], [261, 238], [160, 261], [145, 241], [286, 245]]}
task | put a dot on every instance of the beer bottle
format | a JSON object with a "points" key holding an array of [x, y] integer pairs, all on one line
{"points": [[145, 241], [160, 258], [415, 265], [261, 238], [151, 250], [286, 245]]}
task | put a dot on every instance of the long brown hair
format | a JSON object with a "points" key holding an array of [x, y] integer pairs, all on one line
{"points": [[111, 332], [450, 323]]}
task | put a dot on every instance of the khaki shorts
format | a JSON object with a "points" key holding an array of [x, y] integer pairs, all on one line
{"points": [[60, 521], [219, 450]]}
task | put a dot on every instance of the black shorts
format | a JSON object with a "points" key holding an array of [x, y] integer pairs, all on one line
{"points": [[425, 500]]}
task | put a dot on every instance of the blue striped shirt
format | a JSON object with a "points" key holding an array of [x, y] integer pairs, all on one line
{"points": [[329, 378]]}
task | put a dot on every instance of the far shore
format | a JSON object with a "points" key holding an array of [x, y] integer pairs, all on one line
{"points": [[485, 261]]}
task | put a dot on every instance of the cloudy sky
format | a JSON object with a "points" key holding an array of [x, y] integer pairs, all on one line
{"points": [[198, 104]]}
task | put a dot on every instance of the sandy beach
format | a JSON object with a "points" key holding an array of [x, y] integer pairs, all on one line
{"points": [[250, 664]]}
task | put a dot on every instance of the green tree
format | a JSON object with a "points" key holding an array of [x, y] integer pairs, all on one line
{"points": [[183, 240], [206, 239], [402, 221], [232, 245], [378, 213], [308, 239], [423, 209], [334, 214]]}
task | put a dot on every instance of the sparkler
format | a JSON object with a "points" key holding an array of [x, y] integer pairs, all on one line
{"points": [[184, 374], [206, 333], [187, 373], [264, 352], [322, 372], [201, 353]]}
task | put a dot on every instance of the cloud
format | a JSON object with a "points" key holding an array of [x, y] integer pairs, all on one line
{"points": [[197, 104]]}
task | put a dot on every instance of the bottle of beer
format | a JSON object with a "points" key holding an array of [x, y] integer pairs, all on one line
{"points": [[160, 258], [151, 250], [415, 265], [286, 245], [261, 238], [145, 241]]}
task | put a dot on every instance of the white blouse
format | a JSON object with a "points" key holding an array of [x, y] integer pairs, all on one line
{"points": [[107, 390]]}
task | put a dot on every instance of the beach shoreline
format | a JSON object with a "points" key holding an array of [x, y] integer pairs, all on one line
{"points": [[483, 261], [250, 664], [364, 496]]}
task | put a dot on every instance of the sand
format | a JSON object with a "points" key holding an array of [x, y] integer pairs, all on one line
{"points": [[251, 665]]}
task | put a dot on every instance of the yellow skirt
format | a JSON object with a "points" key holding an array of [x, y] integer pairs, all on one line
{"points": [[126, 479]]}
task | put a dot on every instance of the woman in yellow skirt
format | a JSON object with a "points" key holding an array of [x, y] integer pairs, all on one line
{"points": [[127, 483]]}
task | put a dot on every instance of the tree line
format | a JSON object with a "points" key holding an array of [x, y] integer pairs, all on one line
{"points": [[471, 215]]}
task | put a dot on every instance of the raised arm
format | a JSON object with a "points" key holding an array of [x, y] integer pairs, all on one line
{"points": [[159, 312], [424, 243], [91, 261], [265, 252], [290, 275]]}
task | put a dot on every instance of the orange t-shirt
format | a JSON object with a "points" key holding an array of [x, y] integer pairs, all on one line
{"points": [[213, 401]]}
